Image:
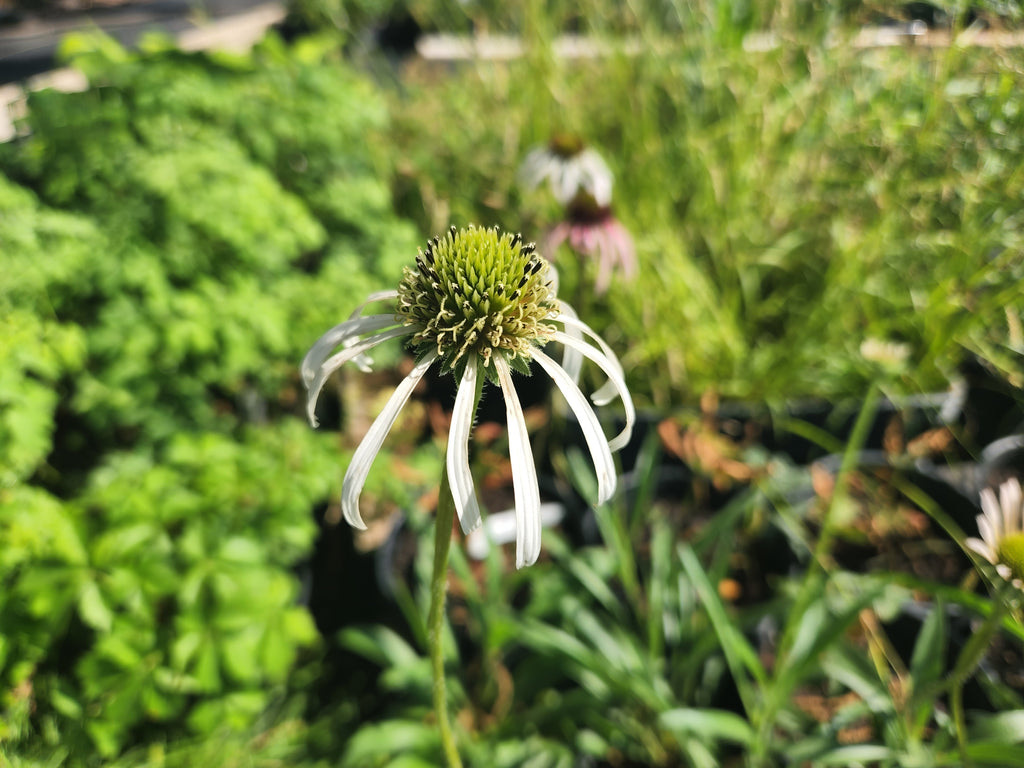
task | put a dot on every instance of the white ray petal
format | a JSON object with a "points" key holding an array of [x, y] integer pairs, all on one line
{"points": [[982, 548], [364, 362], [574, 326], [334, 363], [524, 473], [1010, 501], [592, 433], [459, 476], [993, 516], [572, 361], [377, 296], [615, 378], [366, 452], [339, 334], [985, 529]]}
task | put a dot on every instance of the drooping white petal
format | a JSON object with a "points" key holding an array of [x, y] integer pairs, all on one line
{"points": [[572, 361], [988, 535], [1010, 501], [575, 326], [339, 334], [459, 477], [500, 528], [993, 515], [982, 548], [524, 473], [363, 362], [592, 433], [373, 297], [615, 378], [359, 467], [334, 363]]}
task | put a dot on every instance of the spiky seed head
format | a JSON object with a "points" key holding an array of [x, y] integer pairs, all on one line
{"points": [[477, 293]]}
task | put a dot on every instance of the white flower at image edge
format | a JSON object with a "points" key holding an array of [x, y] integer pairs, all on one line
{"points": [[479, 304], [1001, 526]]}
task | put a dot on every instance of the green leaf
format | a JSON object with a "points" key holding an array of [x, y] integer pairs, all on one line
{"points": [[1004, 727], [378, 644], [93, 609], [711, 723], [996, 755], [927, 663], [392, 737], [738, 651], [859, 753]]}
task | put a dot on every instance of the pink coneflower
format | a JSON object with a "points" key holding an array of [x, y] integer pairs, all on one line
{"points": [[592, 230]]}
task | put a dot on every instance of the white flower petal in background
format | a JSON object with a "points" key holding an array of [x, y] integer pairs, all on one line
{"points": [[1001, 526], [568, 174], [500, 528]]}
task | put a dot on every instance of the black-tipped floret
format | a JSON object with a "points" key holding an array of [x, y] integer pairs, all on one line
{"points": [[477, 292]]}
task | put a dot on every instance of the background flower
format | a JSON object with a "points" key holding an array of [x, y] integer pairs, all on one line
{"points": [[569, 166], [1001, 526]]}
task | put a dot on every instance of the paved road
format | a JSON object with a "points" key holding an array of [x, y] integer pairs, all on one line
{"points": [[28, 40]]}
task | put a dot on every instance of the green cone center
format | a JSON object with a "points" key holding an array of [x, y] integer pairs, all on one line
{"points": [[477, 293], [1011, 553]]}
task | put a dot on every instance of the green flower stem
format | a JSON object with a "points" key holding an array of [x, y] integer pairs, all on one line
{"points": [[435, 617], [970, 657], [443, 523]]}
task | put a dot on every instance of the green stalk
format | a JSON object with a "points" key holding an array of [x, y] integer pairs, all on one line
{"points": [[435, 618], [775, 693], [970, 657], [443, 522]]}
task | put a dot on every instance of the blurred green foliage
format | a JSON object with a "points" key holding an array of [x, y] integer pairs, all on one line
{"points": [[727, 20], [787, 204], [173, 239]]}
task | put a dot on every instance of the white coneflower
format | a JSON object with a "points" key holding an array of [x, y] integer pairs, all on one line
{"points": [[1001, 526], [478, 304], [569, 167]]}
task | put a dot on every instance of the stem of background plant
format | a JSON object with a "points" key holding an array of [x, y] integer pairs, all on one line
{"points": [[972, 654], [858, 436], [816, 569], [435, 617]]}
